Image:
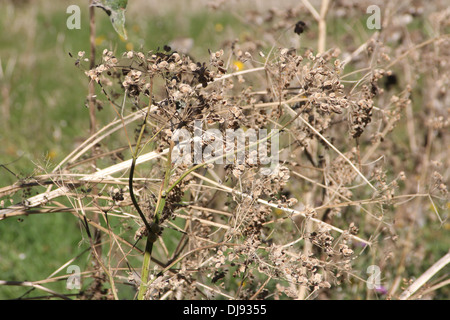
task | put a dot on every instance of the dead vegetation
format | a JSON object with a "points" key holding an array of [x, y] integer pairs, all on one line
{"points": [[363, 163]]}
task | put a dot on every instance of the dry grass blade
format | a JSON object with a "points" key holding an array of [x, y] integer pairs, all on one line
{"points": [[105, 173], [435, 268], [33, 285]]}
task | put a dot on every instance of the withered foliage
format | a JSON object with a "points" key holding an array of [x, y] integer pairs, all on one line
{"points": [[338, 191]]}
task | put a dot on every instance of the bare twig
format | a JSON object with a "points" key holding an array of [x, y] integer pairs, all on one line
{"points": [[34, 285], [323, 26], [435, 268]]}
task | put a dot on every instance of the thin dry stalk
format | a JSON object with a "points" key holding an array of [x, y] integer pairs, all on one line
{"points": [[416, 285], [33, 285]]}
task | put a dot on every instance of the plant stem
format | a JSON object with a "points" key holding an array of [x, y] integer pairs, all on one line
{"points": [[133, 197], [323, 26], [149, 244], [135, 155], [435, 268], [97, 236], [154, 229], [145, 268], [91, 98]]}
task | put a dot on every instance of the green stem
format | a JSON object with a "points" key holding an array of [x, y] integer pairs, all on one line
{"points": [[145, 268], [149, 244], [154, 229]]}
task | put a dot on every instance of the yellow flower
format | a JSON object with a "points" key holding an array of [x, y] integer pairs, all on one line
{"points": [[51, 155], [218, 27], [242, 283], [278, 212], [129, 46], [99, 40], [238, 66]]}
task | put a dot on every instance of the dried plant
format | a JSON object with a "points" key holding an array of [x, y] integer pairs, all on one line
{"points": [[230, 230]]}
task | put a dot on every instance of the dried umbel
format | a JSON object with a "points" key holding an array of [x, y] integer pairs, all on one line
{"points": [[361, 116], [182, 92]]}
